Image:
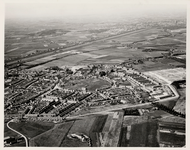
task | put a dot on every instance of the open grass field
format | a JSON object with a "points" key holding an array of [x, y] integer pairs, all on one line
{"points": [[91, 84], [157, 65], [53, 137], [80, 126], [96, 84], [150, 67], [31, 129]]}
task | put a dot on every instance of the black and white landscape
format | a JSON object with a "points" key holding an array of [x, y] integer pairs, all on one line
{"points": [[95, 74]]}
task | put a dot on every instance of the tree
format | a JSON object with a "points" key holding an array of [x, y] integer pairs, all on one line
{"points": [[112, 70], [102, 73], [69, 71]]}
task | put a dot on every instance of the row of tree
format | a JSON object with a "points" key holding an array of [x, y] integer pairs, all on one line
{"points": [[169, 110]]}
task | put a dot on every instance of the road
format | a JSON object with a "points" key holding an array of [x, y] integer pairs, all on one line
{"points": [[126, 106], [26, 140]]}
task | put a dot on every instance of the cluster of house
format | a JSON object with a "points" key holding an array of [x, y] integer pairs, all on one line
{"points": [[121, 78]]}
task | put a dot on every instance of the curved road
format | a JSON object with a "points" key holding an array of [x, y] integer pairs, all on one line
{"points": [[26, 140]]}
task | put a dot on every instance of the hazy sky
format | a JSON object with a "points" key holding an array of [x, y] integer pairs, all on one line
{"points": [[88, 9]]}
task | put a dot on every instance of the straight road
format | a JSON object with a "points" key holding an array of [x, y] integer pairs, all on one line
{"points": [[26, 140], [126, 106]]}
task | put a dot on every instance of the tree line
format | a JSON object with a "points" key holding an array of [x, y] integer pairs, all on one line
{"points": [[169, 110]]}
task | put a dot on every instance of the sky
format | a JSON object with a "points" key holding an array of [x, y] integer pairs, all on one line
{"points": [[88, 9]]}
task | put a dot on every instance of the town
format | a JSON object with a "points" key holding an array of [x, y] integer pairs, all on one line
{"points": [[101, 83], [55, 94]]}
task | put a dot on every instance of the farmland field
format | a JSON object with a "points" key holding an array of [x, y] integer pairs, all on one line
{"points": [[40, 67], [173, 119], [143, 136], [169, 41], [173, 139], [114, 130], [101, 48], [73, 143], [107, 124], [110, 50], [181, 102], [123, 140], [130, 120], [157, 65], [99, 123], [31, 129], [53, 137], [8, 132], [80, 126]]}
